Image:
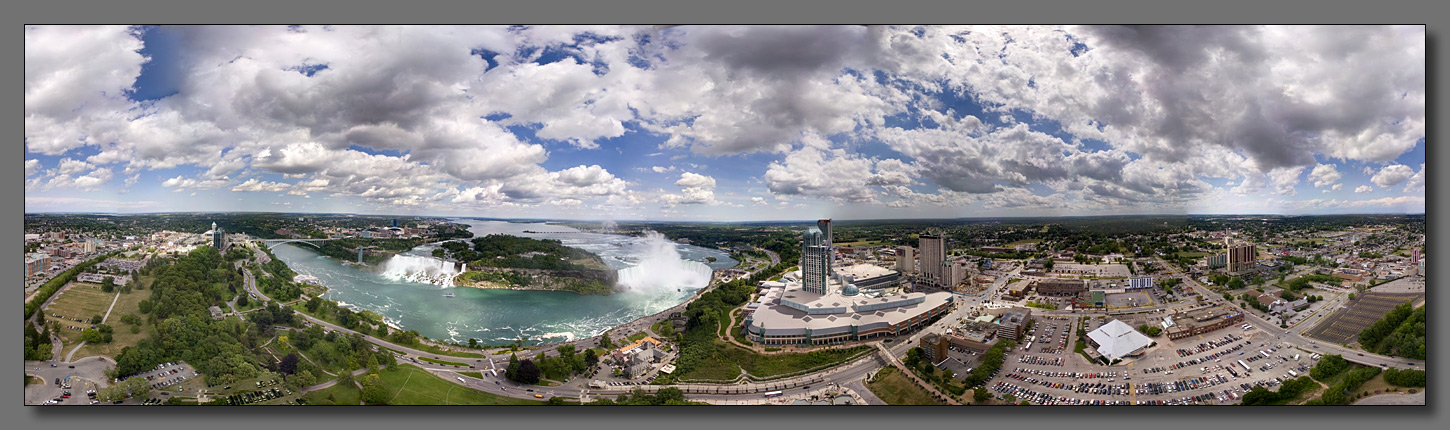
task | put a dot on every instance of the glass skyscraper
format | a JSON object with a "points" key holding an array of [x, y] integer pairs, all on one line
{"points": [[815, 261]]}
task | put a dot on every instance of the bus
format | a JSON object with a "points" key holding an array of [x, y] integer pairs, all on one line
{"points": [[776, 393], [1246, 366], [1293, 374], [1028, 348], [1266, 355]]}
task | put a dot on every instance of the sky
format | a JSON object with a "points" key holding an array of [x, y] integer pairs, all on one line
{"points": [[726, 123]]}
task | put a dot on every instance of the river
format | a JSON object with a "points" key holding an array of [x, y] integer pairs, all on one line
{"points": [[659, 280]]}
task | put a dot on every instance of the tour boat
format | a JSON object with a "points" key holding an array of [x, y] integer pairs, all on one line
{"points": [[448, 295]]}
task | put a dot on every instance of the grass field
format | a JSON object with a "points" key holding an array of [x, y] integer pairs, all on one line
{"points": [[897, 389], [335, 395], [82, 301], [1023, 242], [410, 385], [478, 375], [122, 336], [637, 336]]}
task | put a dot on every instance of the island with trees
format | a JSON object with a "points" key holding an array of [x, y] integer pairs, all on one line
{"points": [[520, 263]]}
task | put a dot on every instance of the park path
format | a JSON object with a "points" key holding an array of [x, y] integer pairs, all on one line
{"points": [[332, 382], [103, 321]]}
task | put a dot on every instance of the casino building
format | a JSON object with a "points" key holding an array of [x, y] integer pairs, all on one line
{"points": [[819, 305]]}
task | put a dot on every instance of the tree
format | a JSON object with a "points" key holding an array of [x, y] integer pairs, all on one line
{"points": [[373, 391], [145, 306], [605, 342], [346, 379], [981, 394], [97, 318], [472, 343], [242, 300], [590, 359], [108, 284], [288, 365], [528, 372], [1010, 398]]}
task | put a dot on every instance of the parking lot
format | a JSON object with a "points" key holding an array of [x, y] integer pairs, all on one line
{"points": [[1200, 369], [1128, 300], [1344, 325]]}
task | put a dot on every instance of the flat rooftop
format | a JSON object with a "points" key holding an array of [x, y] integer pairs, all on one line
{"points": [[864, 271], [777, 318]]}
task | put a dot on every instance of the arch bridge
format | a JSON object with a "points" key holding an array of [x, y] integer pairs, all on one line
{"points": [[272, 243]]}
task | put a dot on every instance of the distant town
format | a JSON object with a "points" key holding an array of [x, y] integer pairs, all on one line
{"points": [[1131, 310]]}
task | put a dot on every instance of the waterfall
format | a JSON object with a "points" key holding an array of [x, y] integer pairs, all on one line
{"points": [[661, 268], [417, 268]]}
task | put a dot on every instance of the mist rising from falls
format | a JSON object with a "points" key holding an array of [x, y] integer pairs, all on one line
{"points": [[417, 268], [661, 268]]}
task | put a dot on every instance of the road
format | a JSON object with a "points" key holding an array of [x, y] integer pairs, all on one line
{"points": [[774, 258]]}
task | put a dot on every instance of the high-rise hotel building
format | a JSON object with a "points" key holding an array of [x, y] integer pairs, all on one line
{"points": [[933, 254], [815, 261]]}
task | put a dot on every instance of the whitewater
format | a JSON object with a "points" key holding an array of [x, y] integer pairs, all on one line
{"points": [[408, 290]]}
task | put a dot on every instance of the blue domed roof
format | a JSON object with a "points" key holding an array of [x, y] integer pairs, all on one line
{"points": [[850, 290]]}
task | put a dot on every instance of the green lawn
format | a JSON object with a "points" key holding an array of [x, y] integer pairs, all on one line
{"points": [[335, 395], [637, 336], [898, 389], [410, 385], [121, 336], [78, 301], [478, 375]]}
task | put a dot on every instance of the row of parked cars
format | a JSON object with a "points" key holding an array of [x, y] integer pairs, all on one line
{"points": [[256, 396]]}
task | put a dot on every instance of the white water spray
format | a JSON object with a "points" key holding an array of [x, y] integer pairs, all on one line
{"points": [[417, 268], [661, 267]]}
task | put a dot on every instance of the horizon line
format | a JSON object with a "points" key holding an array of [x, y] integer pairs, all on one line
{"points": [[806, 220]]}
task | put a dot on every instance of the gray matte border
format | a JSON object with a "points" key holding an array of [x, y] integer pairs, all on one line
{"points": [[738, 11]]}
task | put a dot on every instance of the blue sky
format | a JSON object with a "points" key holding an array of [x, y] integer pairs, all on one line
{"points": [[726, 123]]}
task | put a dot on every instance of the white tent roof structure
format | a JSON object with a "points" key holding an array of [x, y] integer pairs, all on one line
{"points": [[1117, 340]]}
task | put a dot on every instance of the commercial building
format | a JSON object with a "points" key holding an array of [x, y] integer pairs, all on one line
{"points": [[905, 260], [1060, 287], [1141, 282], [36, 263], [933, 257], [89, 246], [1192, 323], [1241, 257], [1215, 261], [1014, 324], [1116, 340], [218, 238], [934, 346]]}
